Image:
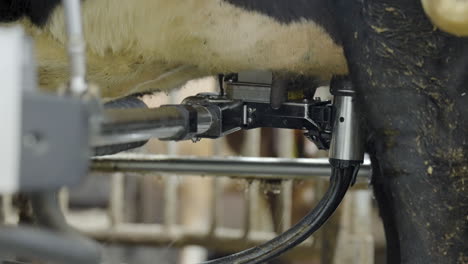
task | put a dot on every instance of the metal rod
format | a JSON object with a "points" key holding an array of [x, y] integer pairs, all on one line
{"points": [[171, 189], [253, 209], [240, 167], [138, 124], [285, 141], [216, 190], [286, 205], [170, 202], [116, 208], [76, 46]]}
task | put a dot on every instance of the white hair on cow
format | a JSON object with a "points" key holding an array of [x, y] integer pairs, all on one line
{"points": [[132, 43]]}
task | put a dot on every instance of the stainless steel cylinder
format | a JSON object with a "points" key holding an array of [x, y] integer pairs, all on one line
{"points": [[119, 126], [347, 142], [132, 125]]}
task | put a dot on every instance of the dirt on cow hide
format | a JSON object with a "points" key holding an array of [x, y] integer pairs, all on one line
{"points": [[412, 83]]}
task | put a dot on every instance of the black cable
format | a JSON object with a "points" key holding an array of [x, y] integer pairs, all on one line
{"points": [[48, 214], [339, 184]]}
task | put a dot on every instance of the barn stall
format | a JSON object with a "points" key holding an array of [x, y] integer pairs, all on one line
{"points": [[269, 105]]}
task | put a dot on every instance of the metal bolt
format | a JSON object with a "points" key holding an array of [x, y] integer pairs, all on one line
{"points": [[35, 142]]}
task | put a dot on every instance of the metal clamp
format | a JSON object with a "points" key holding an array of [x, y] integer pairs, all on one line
{"points": [[234, 112]]}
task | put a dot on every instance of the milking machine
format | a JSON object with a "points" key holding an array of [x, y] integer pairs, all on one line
{"points": [[244, 105], [52, 137]]}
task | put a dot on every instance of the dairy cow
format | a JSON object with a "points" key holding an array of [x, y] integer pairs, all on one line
{"points": [[144, 45], [411, 78]]}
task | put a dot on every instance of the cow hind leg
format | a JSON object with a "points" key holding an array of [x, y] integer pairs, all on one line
{"points": [[413, 90]]}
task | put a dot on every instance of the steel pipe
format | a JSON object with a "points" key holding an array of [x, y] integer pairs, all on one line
{"points": [[76, 46], [240, 167], [170, 122], [139, 124]]}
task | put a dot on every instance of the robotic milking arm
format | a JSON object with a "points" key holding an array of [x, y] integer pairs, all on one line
{"points": [[50, 138]]}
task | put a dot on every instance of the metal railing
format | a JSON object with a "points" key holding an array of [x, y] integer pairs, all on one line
{"points": [[109, 225], [234, 167], [212, 236]]}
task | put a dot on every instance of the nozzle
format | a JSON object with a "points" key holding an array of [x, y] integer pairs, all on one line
{"points": [[347, 148]]}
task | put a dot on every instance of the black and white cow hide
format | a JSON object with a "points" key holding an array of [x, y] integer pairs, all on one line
{"points": [[145, 45]]}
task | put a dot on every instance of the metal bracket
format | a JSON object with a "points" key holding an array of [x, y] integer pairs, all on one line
{"points": [[236, 110], [54, 142]]}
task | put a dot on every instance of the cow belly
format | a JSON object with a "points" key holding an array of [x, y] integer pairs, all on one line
{"points": [[147, 45]]}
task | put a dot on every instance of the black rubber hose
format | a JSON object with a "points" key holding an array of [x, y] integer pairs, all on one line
{"points": [[46, 245], [122, 103], [339, 184], [47, 213]]}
